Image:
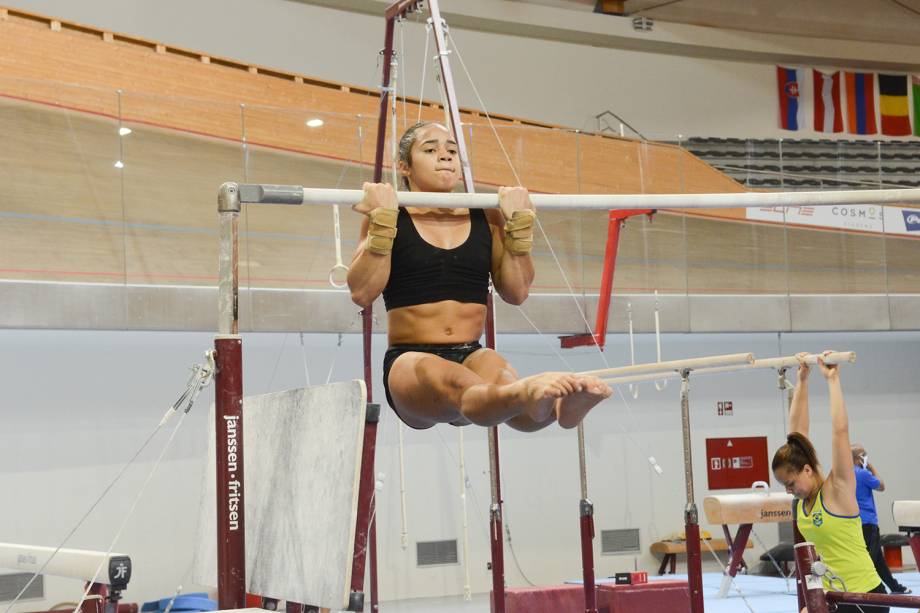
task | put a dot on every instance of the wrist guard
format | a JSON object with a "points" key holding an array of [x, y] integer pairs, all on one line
{"points": [[519, 232], [381, 231]]}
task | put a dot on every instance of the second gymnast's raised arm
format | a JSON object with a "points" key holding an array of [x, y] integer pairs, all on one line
{"points": [[798, 409]]}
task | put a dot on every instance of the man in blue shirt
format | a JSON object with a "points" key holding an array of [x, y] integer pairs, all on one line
{"points": [[868, 480]]}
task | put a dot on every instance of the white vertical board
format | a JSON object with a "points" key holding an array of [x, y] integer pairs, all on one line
{"points": [[302, 467]]}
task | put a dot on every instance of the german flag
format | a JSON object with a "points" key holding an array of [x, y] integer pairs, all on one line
{"points": [[892, 91], [860, 102]]}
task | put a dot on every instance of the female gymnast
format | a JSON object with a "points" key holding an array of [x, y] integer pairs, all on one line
{"points": [[433, 268], [826, 509]]}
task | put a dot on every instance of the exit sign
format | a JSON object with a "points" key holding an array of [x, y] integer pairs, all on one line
{"points": [[736, 462]]}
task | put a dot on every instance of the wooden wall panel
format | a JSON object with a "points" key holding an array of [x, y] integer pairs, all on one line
{"points": [[70, 215], [168, 87]]}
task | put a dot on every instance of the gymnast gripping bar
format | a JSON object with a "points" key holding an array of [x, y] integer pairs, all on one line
{"points": [[72, 563], [837, 357], [297, 194], [733, 359]]}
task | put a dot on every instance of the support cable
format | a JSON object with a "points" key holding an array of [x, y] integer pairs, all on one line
{"points": [[200, 377]]}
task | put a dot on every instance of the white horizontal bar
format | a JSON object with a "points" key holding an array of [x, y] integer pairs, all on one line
{"points": [[837, 357], [72, 563], [295, 194], [674, 365]]}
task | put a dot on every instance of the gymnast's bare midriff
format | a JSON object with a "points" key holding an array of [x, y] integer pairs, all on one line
{"points": [[442, 322]]}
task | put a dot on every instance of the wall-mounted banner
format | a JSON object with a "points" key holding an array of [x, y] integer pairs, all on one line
{"points": [[736, 462], [859, 217]]}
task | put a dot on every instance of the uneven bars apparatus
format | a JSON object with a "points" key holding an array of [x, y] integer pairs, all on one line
{"points": [[79, 564], [231, 552], [682, 369], [395, 11], [228, 415], [298, 195]]}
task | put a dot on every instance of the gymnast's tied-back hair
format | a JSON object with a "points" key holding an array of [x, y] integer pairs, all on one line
{"points": [[405, 146], [796, 453]]}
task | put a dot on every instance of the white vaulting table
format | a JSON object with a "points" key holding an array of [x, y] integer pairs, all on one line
{"points": [[303, 460]]}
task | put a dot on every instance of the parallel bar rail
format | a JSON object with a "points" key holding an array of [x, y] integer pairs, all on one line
{"points": [[837, 357]]}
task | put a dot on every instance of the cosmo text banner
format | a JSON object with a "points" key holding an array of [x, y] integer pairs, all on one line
{"points": [[858, 217]]}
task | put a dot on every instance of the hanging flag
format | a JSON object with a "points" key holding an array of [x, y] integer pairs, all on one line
{"points": [[915, 80], [861, 102], [892, 90], [787, 82], [828, 115]]}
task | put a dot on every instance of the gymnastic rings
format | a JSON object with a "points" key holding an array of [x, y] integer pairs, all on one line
{"points": [[338, 275]]}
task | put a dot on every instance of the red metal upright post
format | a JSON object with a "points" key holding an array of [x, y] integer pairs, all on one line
{"points": [[587, 555], [798, 538], [915, 545], [366, 529], [365, 532], [231, 526], [691, 515], [95, 600], [228, 412], [586, 514], [812, 587], [496, 525]]}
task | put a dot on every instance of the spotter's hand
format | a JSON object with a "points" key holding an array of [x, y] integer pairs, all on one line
{"points": [[376, 196]]}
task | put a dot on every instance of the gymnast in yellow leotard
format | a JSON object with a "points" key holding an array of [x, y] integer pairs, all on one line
{"points": [[826, 509]]}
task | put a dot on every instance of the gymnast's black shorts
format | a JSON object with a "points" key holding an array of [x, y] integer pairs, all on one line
{"points": [[454, 353]]}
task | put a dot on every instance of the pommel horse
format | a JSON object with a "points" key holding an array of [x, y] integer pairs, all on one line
{"points": [[757, 507], [107, 573]]}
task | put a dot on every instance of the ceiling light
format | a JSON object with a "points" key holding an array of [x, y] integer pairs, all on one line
{"points": [[314, 123], [119, 164], [123, 131]]}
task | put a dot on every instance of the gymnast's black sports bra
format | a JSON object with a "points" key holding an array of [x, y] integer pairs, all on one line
{"points": [[421, 273]]}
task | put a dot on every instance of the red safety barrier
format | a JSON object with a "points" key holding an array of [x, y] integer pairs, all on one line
{"points": [[655, 597]]}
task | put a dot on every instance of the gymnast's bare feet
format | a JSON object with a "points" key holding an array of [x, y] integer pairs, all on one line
{"points": [[537, 394], [572, 408]]}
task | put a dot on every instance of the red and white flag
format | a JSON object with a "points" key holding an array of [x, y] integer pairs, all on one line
{"points": [[828, 116]]}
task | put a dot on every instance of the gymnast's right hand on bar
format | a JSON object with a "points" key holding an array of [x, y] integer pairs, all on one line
{"points": [[804, 368], [376, 196], [830, 371]]}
